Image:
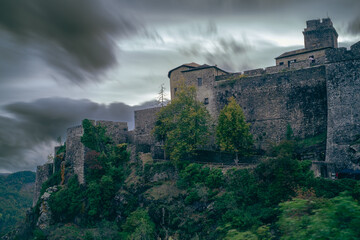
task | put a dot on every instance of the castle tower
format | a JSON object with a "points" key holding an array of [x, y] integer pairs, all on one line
{"points": [[320, 34]]}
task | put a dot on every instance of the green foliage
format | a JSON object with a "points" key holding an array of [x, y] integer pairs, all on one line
{"points": [[182, 125], [53, 180], [195, 173], [289, 133], [315, 218], [139, 226], [95, 137], [62, 149], [39, 235], [232, 132], [100, 197], [233, 234], [16, 192], [308, 142], [279, 177], [66, 203]]}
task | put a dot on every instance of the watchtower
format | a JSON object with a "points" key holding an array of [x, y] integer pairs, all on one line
{"points": [[320, 34]]}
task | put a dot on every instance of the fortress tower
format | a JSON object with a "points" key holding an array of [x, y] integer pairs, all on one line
{"points": [[320, 34]]}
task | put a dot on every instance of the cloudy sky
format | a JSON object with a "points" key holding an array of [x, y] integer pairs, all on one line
{"points": [[62, 61]]}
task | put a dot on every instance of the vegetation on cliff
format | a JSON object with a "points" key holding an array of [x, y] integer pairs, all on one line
{"points": [[278, 199], [146, 199]]}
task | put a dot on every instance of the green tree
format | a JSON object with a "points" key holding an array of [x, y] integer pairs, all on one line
{"points": [[139, 226], [232, 132], [182, 125]]}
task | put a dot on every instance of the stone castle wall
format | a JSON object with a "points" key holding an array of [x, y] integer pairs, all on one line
{"points": [[144, 124], [75, 153], [42, 174], [272, 101], [343, 88]]}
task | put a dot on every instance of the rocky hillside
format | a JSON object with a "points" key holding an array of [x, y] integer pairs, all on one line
{"points": [[16, 191], [129, 195]]}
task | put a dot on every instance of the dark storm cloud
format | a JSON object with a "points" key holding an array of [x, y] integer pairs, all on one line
{"points": [[34, 125], [75, 37], [354, 26], [220, 53]]}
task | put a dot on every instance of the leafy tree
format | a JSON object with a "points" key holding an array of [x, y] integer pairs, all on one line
{"points": [[233, 133], [182, 125], [139, 226]]}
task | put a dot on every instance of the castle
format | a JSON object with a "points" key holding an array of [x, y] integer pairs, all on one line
{"points": [[315, 90]]}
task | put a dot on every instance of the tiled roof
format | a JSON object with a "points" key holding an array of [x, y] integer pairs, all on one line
{"points": [[189, 65]]}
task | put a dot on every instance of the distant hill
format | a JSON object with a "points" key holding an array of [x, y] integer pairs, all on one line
{"points": [[16, 191]]}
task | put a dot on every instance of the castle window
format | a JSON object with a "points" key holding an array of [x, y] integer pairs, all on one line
{"points": [[206, 101], [290, 62], [175, 89], [281, 63], [199, 82]]}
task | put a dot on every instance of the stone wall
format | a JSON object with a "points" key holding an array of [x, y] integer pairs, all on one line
{"points": [[75, 152], [42, 174], [116, 130], [272, 101], [343, 128], [144, 124]]}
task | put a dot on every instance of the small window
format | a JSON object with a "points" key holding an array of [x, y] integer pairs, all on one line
{"points": [[175, 89], [290, 62], [206, 101], [199, 82], [281, 63]]}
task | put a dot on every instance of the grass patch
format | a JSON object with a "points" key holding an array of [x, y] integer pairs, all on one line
{"points": [[308, 142]]}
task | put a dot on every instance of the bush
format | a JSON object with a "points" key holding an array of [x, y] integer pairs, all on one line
{"points": [[66, 203]]}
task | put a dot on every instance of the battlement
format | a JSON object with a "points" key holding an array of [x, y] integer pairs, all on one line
{"points": [[320, 34], [317, 23], [342, 54], [272, 69]]}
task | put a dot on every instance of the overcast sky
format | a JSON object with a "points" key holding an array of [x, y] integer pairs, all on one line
{"points": [[62, 61]]}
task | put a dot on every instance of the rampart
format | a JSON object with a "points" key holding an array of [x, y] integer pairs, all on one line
{"points": [[76, 152], [273, 101], [143, 137], [343, 91], [42, 174]]}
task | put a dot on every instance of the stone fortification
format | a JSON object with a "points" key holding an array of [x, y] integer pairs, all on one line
{"points": [[143, 136], [343, 89], [73, 161], [42, 174], [75, 153], [271, 102]]}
